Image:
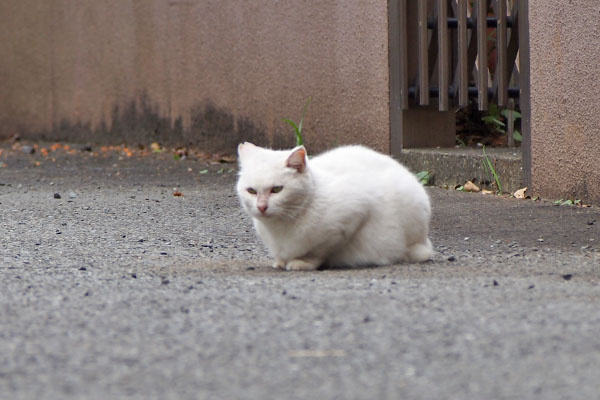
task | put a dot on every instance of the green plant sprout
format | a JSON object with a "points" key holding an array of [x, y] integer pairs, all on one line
{"points": [[568, 202], [489, 168], [494, 119], [424, 177], [298, 127]]}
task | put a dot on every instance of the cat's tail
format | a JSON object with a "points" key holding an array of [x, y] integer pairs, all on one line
{"points": [[420, 252]]}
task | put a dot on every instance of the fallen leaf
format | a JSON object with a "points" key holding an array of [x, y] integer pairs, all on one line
{"points": [[226, 159], [471, 187], [520, 194], [485, 191], [155, 147], [177, 193]]}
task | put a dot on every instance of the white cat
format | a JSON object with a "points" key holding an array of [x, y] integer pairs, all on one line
{"points": [[350, 206]]}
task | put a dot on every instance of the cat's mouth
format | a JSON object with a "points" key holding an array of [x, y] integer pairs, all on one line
{"points": [[263, 214]]}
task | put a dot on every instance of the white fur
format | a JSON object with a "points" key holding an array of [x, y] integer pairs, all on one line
{"points": [[350, 206]]}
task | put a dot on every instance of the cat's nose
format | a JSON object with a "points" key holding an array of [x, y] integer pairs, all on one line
{"points": [[262, 208]]}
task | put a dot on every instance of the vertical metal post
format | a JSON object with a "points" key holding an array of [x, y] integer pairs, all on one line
{"points": [[403, 26], [501, 52], [525, 93], [443, 54], [423, 54], [510, 124], [482, 55], [463, 75]]}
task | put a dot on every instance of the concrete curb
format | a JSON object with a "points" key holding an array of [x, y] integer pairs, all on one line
{"points": [[451, 167]]}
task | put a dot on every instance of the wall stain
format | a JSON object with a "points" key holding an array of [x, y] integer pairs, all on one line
{"points": [[212, 128]]}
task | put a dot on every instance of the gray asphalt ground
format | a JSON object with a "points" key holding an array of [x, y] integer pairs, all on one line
{"points": [[121, 290]]}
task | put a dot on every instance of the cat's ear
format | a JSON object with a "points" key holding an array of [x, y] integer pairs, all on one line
{"points": [[297, 160], [245, 148]]}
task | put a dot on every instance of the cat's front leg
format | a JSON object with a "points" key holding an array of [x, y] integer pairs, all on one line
{"points": [[303, 264], [278, 264]]}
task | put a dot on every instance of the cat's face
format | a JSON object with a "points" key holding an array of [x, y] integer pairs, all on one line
{"points": [[272, 184]]}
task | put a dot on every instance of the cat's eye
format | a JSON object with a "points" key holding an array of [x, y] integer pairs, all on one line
{"points": [[251, 191], [276, 189]]}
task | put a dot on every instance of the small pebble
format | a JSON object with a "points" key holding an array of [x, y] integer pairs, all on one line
{"points": [[82, 268], [567, 277], [57, 196], [451, 258], [72, 195], [27, 149]]}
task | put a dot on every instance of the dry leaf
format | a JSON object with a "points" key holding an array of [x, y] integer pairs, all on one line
{"points": [[177, 193], [485, 191], [520, 194], [155, 147], [471, 187]]}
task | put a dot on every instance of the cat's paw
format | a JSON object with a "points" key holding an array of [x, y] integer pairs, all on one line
{"points": [[278, 264], [421, 251], [301, 265]]}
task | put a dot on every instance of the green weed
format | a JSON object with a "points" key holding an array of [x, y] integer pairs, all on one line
{"points": [[567, 202], [298, 127], [489, 168], [494, 119], [424, 177]]}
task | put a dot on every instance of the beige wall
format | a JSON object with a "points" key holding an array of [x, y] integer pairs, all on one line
{"points": [[565, 98], [203, 71]]}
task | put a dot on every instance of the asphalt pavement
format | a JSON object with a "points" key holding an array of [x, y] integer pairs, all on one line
{"points": [[138, 277]]}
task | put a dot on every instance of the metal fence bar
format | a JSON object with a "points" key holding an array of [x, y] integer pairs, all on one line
{"points": [[482, 55], [423, 54], [501, 51], [467, 57], [513, 43], [403, 25], [463, 74], [453, 22], [443, 54]]}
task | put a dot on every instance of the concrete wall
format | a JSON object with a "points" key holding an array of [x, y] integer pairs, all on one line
{"points": [[206, 72], [565, 98]]}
